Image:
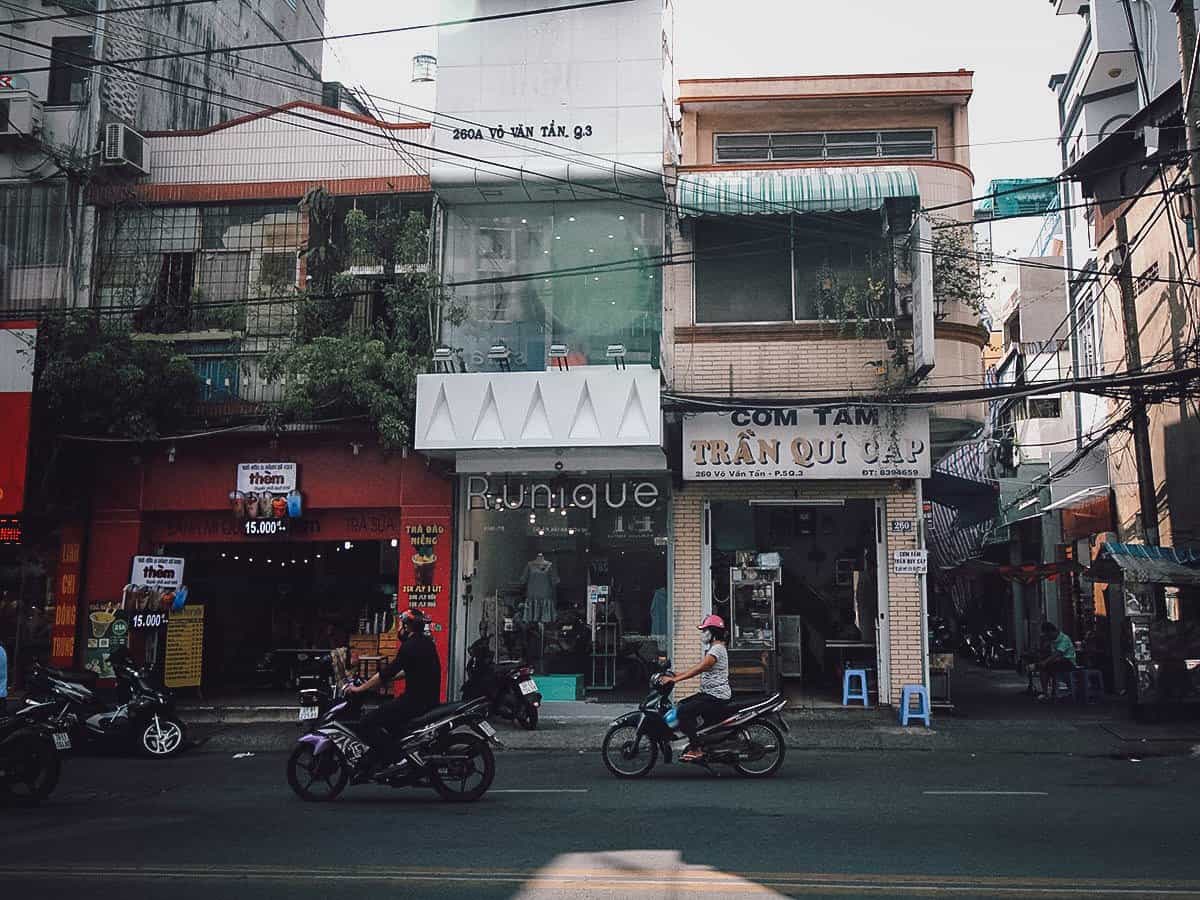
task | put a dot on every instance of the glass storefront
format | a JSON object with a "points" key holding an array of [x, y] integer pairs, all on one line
{"points": [[571, 574], [581, 273]]}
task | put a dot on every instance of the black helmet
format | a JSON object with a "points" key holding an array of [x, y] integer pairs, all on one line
{"points": [[414, 619]]}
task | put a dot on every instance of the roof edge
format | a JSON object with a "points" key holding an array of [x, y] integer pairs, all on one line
{"points": [[275, 110]]}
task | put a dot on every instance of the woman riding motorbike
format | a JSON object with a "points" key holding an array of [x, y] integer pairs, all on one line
{"points": [[709, 702]]}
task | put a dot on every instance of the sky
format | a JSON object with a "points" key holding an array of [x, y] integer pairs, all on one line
{"points": [[1012, 47]]}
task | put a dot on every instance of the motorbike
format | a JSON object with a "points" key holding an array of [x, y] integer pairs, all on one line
{"points": [[941, 638], [448, 749], [141, 715], [997, 650], [29, 761], [511, 690], [748, 736]]}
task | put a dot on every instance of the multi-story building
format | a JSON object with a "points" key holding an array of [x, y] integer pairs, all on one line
{"points": [[549, 175], [802, 265]]}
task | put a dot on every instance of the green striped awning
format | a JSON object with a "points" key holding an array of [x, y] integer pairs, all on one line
{"points": [[782, 191]]}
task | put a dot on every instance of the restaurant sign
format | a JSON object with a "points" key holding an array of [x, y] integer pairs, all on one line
{"points": [[819, 443]]}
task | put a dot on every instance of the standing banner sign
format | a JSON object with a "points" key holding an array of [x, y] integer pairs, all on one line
{"points": [[426, 543], [66, 597]]}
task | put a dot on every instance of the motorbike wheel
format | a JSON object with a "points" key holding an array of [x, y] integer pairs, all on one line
{"points": [[317, 779], [619, 755], [765, 736], [36, 766], [526, 716], [467, 777], [160, 739]]}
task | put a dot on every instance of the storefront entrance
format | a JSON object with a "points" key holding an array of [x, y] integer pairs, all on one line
{"points": [[799, 584], [569, 575]]}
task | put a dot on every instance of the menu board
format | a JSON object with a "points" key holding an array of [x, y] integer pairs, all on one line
{"points": [[185, 647]]}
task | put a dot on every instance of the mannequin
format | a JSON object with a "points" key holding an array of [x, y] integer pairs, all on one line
{"points": [[540, 580]]}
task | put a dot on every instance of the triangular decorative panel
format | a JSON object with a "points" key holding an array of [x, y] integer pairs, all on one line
{"points": [[634, 424], [441, 423], [537, 420], [488, 426], [585, 426]]}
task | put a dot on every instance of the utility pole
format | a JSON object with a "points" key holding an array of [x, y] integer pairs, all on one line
{"points": [[1185, 15], [1133, 364]]}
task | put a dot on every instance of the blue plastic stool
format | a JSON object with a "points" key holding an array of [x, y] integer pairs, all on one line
{"points": [[848, 694], [1087, 685], [907, 693]]}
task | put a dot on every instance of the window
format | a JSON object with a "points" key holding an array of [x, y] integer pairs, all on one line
{"points": [[772, 269], [1044, 408], [70, 59], [732, 148], [743, 274], [5, 106], [32, 224]]}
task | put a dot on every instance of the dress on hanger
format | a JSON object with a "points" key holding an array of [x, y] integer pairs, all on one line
{"points": [[541, 582], [659, 623]]}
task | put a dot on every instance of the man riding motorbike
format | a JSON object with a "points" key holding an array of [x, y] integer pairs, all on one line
{"points": [[418, 664], [714, 693]]}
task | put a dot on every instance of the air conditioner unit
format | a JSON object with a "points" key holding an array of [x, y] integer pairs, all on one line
{"points": [[125, 148], [20, 115]]}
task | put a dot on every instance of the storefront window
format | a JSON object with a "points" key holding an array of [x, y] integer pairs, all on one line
{"points": [[583, 273], [571, 575]]}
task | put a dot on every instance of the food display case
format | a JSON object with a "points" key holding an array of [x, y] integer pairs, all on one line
{"points": [[752, 607]]}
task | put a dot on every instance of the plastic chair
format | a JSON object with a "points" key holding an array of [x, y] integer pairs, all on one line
{"points": [[1087, 685], [848, 694], [907, 694]]}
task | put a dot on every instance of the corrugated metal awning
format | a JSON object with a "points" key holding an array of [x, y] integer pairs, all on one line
{"points": [[1149, 565], [774, 192]]}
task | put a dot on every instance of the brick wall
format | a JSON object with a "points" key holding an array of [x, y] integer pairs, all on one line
{"points": [[904, 591]]}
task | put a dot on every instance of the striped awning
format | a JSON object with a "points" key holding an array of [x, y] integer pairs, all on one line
{"points": [[774, 192]]}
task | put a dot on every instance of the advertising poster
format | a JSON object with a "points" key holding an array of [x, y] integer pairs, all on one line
{"points": [[106, 630], [153, 585], [426, 545], [185, 648], [66, 598], [266, 498]]}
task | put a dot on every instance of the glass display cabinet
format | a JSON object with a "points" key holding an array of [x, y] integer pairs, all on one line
{"points": [[752, 608]]}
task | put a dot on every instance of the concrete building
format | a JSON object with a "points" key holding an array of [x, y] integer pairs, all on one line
{"points": [[807, 264]]}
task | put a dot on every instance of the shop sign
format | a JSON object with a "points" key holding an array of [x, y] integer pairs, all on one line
{"points": [[265, 498], [10, 530], [157, 572], [586, 495], [274, 478], [828, 442], [910, 562], [66, 599], [153, 586]]}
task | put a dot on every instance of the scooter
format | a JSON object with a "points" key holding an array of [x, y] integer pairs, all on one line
{"points": [[511, 690], [29, 762], [748, 736], [142, 716], [448, 748]]}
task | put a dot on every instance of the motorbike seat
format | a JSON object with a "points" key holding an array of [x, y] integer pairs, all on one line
{"points": [[88, 679], [443, 711]]}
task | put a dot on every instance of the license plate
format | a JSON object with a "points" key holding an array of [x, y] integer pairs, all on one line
{"points": [[62, 741], [528, 687], [308, 712], [487, 729]]}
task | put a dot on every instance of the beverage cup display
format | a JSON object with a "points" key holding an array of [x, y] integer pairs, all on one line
{"points": [[237, 502], [295, 505], [279, 507], [264, 505], [101, 620], [423, 566], [252, 506]]}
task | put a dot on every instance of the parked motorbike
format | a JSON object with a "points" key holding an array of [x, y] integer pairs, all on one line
{"points": [[510, 690], [140, 716], [448, 748], [997, 649], [941, 638], [29, 762], [748, 737]]}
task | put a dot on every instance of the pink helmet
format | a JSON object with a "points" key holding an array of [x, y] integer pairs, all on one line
{"points": [[711, 621]]}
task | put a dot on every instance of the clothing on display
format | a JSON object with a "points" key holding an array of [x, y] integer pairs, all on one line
{"points": [[540, 579]]}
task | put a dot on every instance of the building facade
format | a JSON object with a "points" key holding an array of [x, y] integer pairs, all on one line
{"points": [[806, 263]]}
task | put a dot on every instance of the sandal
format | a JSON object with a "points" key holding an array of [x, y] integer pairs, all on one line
{"points": [[692, 754]]}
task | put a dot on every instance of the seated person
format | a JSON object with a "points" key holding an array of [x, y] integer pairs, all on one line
{"points": [[1061, 658]]}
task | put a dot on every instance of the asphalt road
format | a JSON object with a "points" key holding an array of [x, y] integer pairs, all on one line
{"points": [[557, 825]]}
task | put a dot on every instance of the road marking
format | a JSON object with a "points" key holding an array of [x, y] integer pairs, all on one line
{"points": [[538, 791], [986, 793]]}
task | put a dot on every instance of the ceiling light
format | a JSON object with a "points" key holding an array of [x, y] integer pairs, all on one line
{"points": [[591, 249], [1114, 72], [622, 218], [611, 236], [558, 237], [570, 218], [395, 542], [347, 545], [524, 221]]}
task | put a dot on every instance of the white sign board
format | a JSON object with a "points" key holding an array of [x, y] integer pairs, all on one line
{"points": [[157, 572], [830, 442], [269, 477], [910, 562]]}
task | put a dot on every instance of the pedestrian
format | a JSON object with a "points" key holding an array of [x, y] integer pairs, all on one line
{"points": [[1061, 658]]}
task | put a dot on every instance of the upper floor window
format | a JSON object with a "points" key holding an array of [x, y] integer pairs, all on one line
{"points": [[70, 59], [813, 145]]}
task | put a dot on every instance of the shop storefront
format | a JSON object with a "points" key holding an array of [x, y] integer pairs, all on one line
{"points": [[224, 561], [801, 528]]}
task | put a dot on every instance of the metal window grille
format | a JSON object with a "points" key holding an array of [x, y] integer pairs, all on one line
{"points": [[811, 145]]}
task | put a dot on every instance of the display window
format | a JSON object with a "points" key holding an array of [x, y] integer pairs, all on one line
{"points": [[570, 575]]}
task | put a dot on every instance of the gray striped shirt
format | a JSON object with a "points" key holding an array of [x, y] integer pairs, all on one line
{"points": [[715, 682]]}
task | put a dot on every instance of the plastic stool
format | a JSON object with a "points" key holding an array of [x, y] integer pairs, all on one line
{"points": [[1064, 680], [907, 693], [1087, 685], [848, 694]]}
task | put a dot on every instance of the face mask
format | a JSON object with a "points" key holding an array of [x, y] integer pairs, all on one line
{"points": [[706, 641]]}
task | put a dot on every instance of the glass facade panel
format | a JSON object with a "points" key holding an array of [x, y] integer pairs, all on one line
{"points": [[837, 259], [743, 270], [582, 273]]}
